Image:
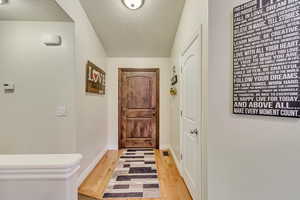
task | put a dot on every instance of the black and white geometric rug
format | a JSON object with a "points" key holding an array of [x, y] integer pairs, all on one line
{"points": [[135, 176]]}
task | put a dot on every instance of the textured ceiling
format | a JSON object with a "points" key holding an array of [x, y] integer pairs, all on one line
{"points": [[146, 32], [33, 10]]}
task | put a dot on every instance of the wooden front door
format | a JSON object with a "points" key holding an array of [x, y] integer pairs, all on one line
{"points": [[138, 108]]}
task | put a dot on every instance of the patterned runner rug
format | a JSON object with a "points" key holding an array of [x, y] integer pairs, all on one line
{"points": [[135, 176]]}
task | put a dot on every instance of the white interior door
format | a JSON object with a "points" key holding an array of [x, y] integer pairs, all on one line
{"points": [[191, 116]]}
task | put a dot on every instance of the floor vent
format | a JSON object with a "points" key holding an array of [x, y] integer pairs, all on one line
{"points": [[166, 153]]}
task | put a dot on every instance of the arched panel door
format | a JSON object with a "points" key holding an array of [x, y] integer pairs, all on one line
{"points": [[138, 108], [191, 116]]}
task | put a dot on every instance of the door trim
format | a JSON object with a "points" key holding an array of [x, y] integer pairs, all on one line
{"points": [[203, 129], [120, 70]]}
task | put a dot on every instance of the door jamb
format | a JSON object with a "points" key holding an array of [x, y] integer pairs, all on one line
{"points": [[155, 69], [203, 127]]}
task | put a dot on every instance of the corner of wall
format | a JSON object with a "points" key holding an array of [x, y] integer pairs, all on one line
{"points": [[91, 123], [84, 174]]}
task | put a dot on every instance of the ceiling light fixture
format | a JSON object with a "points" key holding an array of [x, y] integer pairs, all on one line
{"points": [[3, 2], [133, 4]]}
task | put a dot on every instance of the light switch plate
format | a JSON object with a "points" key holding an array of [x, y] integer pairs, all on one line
{"points": [[9, 86], [61, 111]]}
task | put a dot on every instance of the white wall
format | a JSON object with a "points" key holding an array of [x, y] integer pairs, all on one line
{"points": [[91, 109], [194, 15], [164, 65], [43, 78], [249, 157]]}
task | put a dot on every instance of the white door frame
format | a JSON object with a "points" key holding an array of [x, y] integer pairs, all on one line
{"points": [[203, 128]]}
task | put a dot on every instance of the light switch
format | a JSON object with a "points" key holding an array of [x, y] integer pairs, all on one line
{"points": [[9, 86], [61, 111]]}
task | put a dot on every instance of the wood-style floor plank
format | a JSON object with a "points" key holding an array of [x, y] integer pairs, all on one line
{"points": [[172, 186]]}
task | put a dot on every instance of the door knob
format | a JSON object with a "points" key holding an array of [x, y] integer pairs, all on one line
{"points": [[192, 131], [195, 131]]}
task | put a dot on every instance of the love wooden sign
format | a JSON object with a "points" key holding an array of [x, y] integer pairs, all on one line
{"points": [[95, 79]]}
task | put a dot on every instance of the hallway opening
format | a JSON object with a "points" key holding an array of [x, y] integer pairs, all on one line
{"points": [[92, 99], [172, 186], [149, 99]]}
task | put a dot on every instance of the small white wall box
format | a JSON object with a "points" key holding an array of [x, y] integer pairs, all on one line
{"points": [[52, 40], [9, 86]]}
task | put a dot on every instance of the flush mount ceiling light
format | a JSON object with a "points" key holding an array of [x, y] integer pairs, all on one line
{"points": [[3, 2], [132, 4]]}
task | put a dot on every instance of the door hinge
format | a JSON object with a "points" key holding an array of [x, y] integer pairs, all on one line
{"points": [[181, 156], [181, 69], [181, 113]]}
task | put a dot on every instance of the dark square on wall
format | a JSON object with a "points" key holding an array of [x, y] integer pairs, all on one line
{"points": [[266, 60]]}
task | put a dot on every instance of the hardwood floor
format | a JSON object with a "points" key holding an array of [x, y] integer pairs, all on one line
{"points": [[172, 186]]}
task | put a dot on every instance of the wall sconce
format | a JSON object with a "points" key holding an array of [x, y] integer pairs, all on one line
{"points": [[174, 78], [52, 40], [174, 81]]}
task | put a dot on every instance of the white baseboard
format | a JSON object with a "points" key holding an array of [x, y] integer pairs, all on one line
{"points": [[112, 147], [178, 165], [91, 166], [164, 146]]}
